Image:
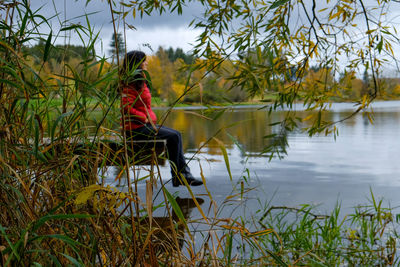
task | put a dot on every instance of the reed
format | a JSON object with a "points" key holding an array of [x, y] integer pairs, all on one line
{"points": [[366, 237], [56, 211]]}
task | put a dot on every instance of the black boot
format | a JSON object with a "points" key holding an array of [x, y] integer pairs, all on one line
{"points": [[177, 180]]}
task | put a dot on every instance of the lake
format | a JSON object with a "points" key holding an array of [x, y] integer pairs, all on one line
{"points": [[318, 170]]}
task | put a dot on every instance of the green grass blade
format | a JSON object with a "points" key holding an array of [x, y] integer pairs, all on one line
{"points": [[12, 247], [225, 154], [228, 248], [47, 47], [56, 262], [71, 27], [277, 258], [176, 208], [53, 128], [73, 260]]}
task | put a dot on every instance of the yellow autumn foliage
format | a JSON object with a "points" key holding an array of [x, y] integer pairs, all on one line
{"points": [[178, 88], [396, 90], [87, 193]]}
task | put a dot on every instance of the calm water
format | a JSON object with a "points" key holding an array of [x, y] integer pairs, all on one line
{"points": [[318, 170]]}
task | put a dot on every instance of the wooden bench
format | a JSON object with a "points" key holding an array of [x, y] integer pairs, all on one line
{"points": [[111, 149]]}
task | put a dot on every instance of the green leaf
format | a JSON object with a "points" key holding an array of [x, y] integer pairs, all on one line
{"points": [[62, 116], [47, 47], [278, 3], [176, 207], [11, 83], [277, 258], [65, 239], [228, 248], [236, 142], [72, 260], [379, 46], [55, 260], [225, 154], [23, 25], [73, 26], [13, 248]]}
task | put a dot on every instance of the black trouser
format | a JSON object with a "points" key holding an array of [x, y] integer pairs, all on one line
{"points": [[174, 145]]}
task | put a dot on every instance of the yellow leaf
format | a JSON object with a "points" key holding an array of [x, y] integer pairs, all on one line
{"points": [[260, 233], [308, 117], [86, 193], [103, 257], [370, 118], [364, 101], [334, 16], [230, 227], [352, 234]]}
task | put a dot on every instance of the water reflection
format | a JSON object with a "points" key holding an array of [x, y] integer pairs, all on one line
{"points": [[318, 170], [163, 234], [251, 126], [248, 126]]}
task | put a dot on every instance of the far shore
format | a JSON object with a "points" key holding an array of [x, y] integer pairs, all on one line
{"points": [[296, 106], [261, 104]]}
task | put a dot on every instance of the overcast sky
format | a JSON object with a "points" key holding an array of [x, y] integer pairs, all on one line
{"points": [[165, 30]]}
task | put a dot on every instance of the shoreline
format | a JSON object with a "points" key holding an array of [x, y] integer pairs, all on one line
{"points": [[296, 106]]}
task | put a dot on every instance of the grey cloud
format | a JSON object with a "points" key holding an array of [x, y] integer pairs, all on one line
{"points": [[99, 14]]}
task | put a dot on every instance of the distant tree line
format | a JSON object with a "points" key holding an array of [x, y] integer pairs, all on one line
{"points": [[348, 86], [178, 53], [58, 52], [172, 71]]}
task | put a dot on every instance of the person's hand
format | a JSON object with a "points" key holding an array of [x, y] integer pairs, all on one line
{"points": [[146, 120]]}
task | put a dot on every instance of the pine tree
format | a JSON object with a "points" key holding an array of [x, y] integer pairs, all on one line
{"points": [[117, 46]]}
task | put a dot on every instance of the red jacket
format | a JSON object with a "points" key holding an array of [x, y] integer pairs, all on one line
{"points": [[137, 107]]}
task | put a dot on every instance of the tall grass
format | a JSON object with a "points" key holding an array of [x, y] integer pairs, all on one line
{"points": [[54, 210], [367, 237]]}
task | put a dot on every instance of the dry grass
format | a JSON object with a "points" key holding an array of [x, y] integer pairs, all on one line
{"points": [[54, 211]]}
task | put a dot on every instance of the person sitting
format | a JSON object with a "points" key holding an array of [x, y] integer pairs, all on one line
{"points": [[140, 120]]}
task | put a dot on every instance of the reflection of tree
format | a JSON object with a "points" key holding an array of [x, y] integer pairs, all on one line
{"points": [[252, 129], [276, 142]]}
